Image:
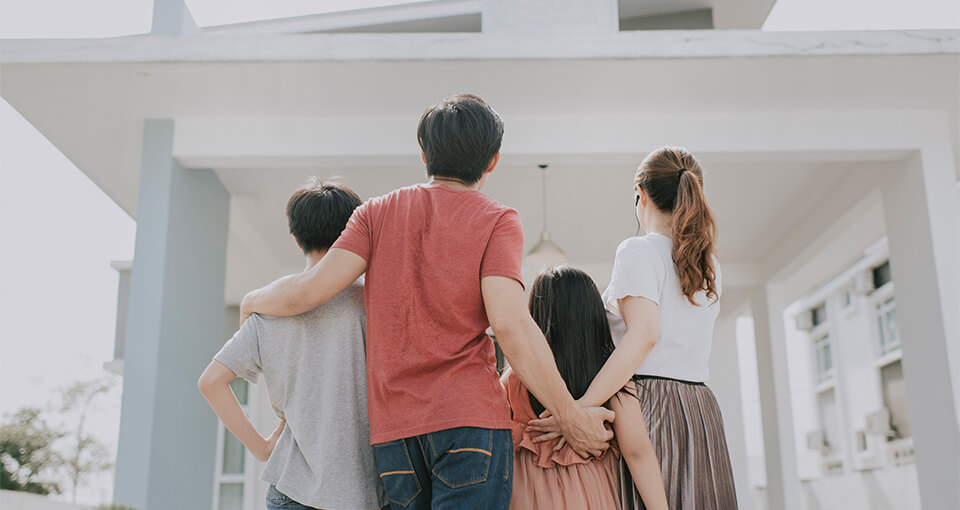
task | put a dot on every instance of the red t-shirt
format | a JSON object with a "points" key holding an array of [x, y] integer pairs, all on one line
{"points": [[430, 364]]}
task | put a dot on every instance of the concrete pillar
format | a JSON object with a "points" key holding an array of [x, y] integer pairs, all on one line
{"points": [[740, 14], [921, 217], [172, 18], [549, 16], [725, 383], [167, 444], [783, 485]]}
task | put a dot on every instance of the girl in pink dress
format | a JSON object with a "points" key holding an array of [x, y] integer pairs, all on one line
{"points": [[566, 305]]}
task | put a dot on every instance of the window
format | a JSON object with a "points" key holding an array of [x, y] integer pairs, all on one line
{"points": [[887, 322], [829, 424], [819, 315], [895, 399], [231, 466], [824, 355], [881, 275]]}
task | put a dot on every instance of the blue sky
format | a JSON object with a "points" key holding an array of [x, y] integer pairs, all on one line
{"points": [[59, 231]]}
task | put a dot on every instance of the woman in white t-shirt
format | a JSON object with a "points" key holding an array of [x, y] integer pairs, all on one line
{"points": [[662, 302]]}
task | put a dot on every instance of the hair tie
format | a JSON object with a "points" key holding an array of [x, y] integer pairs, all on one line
{"points": [[680, 172]]}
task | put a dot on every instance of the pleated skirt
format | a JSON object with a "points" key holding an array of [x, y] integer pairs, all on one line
{"points": [[686, 429]]}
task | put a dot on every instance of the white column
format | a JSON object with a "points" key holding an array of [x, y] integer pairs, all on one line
{"points": [[172, 18], [165, 456], [549, 16], [922, 214], [725, 383], [783, 485]]}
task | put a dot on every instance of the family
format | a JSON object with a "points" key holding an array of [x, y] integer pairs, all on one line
{"points": [[377, 356]]}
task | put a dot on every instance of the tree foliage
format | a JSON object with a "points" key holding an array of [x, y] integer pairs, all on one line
{"points": [[28, 459]]}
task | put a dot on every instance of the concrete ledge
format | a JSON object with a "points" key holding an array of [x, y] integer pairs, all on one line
{"points": [[472, 46]]}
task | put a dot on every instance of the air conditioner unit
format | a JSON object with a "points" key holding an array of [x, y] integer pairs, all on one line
{"points": [[804, 320], [878, 422], [817, 441], [863, 283], [870, 451]]}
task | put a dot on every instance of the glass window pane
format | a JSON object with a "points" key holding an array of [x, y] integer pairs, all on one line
{"points": [[827, 359], [233, 454], [892, 330], [231, 496], [895, 397], [827, 407], [240, 388]]}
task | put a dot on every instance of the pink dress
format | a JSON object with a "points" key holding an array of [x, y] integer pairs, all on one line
{"points": [[544, 479]]}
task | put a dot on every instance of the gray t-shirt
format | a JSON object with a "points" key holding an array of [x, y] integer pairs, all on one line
{"points": [[314, 368]]}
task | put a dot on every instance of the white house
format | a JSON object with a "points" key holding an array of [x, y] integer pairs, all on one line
{"points": [[817, 147]]}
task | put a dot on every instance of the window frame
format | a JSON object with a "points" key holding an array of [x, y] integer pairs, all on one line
{"points": [[248, 478]]}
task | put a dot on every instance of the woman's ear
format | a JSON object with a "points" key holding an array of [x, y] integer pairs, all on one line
{"points": [[423, 157], [643, 197]]}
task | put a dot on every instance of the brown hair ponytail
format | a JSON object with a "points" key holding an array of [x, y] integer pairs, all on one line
{"points": [[673, 180]]}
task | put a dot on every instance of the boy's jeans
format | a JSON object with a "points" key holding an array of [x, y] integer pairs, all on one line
{"points": [[458, 468], [277, 500]]}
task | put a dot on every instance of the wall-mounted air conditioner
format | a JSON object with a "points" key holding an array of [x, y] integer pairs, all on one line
{"points": [[863, 282], [870, 451], [878, 422], [804, 320]]}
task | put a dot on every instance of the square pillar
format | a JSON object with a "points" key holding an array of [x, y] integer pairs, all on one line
{"points": [[922, 217], [783, 483], [725, 384], [167, 443]]}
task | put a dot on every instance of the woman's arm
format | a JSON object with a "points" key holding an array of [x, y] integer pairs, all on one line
{"points": [[630, 431], [299, 293], [215, 386], [642, 318]]}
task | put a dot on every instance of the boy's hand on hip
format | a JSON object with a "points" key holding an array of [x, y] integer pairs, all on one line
{"points": [[269, 443]]}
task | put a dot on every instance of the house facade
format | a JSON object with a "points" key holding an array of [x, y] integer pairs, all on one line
{"points": [[831, 161]]}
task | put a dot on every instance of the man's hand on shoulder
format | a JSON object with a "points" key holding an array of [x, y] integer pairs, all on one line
{"points": [[246, 306]]}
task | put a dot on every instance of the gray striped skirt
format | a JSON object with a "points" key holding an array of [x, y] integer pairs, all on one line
{"points": [[686, 430]]}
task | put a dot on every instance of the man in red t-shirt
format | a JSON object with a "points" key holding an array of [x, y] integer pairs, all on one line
{"points": [[442, 263]]}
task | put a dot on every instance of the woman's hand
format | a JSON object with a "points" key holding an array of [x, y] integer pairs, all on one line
{"points": [[263, 454]]}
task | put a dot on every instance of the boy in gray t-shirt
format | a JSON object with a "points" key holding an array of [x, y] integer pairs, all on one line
{"points": [[314, 368]]}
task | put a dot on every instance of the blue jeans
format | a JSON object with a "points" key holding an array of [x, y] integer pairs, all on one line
{"points": [[458, 468], [277, 500]]}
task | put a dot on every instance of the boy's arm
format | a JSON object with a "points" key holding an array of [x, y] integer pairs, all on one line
{"points": [[214, 383], [299, 293], [530, 357], [637, 450]]}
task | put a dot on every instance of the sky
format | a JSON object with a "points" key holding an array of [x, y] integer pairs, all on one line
{"points": [[59, 231]]}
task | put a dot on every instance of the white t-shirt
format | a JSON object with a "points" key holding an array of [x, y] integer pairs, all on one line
{"points": [[644, 268]]}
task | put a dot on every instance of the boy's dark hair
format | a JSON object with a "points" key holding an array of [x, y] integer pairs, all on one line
{"points": [[318, 213], [459, 136]]}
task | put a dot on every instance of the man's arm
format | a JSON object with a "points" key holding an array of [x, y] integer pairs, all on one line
{"points": [[530, 357], [214, 383], [299, 293]]}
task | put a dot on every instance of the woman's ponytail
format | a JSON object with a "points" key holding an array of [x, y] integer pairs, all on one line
{"points": [[673, 180]]}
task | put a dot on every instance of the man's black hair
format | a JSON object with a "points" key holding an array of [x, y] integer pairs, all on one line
{"points": [[459, 136], [318, 213]]}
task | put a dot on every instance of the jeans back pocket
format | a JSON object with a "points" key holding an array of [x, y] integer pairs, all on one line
{"points": [[463, 455], [396, 471]]}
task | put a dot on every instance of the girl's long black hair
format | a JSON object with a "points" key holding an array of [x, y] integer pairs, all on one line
{"points": [[566, 305]]}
